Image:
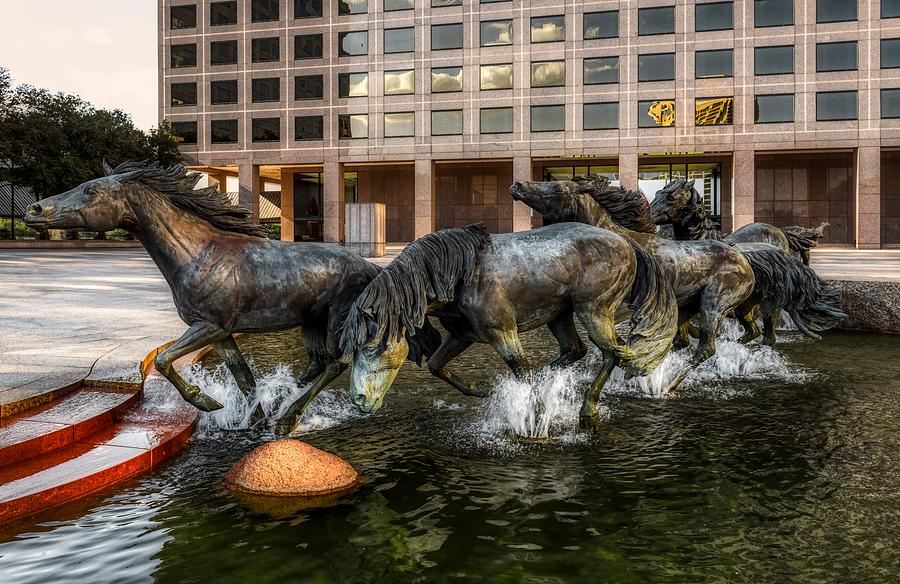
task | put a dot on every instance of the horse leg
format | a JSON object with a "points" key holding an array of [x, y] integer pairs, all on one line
{"points": [[227, 348], [602, 332], [682, 339], [198, 336], [746, 315], [314, 343], [291, 418], [571, 349], [450, 348], [769, 322], [710, 321], [509, 347]]}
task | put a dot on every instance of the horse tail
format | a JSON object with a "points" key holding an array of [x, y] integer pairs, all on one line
{"points": [[784, 282], [802, 239], [654, 315]]}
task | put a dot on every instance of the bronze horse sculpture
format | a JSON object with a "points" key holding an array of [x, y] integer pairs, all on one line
{"points": [[680, 206], [225, 276], [710, 279], [489, 289]]}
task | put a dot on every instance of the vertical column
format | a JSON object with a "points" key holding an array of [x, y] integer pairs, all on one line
{"points": [[628, 170], [521, 211], [743, 200], [868, 197], [287, 205], [333, 202], [249, 188], [424, 200]]}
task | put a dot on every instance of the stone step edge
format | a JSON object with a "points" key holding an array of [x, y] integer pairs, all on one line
{"points": [[81, 486]]}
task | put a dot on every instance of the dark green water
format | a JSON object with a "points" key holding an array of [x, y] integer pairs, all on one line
{"points": [[772, 472]]}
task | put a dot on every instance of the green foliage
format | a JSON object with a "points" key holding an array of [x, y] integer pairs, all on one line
{"points": [[22, 232], [273, 230], [52, 142]]}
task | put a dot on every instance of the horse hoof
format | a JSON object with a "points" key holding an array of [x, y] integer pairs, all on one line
{"points": [[589, 423], [257, 416], [205, 403], [286, 426]]}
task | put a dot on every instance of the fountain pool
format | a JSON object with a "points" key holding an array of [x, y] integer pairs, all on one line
{"points": [[768, 467]]}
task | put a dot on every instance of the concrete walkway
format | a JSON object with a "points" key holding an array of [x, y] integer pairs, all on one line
{"points": [[66, 315]]}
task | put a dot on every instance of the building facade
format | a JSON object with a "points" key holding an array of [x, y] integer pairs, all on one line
{"points": [[784, 111]]}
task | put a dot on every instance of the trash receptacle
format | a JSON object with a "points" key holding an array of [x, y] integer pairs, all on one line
{"points": [[364, 228]]}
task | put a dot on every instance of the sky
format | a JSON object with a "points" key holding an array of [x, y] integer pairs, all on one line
{"points": [[103, 50]]}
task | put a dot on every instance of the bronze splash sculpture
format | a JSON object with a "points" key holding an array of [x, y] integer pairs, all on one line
{"points": [[678, 209], [225, 276], [488, 289]]}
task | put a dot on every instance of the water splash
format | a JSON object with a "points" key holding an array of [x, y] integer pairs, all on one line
{"points": [[275, 392]]}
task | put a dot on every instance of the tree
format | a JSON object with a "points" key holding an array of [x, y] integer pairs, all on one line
{"points": [[52, 142]]}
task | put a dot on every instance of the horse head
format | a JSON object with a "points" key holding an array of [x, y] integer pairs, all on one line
{"points": [[559, 201], [375, 365], [674, 201], [97, 205]]}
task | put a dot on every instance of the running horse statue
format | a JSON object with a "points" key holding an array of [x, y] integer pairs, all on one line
{"points": [[225, 276], [489, 289], [680, 206]]}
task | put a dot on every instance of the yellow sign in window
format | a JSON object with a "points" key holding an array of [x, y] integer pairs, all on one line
{"points": [[717, 111]]}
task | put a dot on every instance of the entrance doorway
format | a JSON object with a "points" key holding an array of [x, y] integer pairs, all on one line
{"points": [[308, 191]]}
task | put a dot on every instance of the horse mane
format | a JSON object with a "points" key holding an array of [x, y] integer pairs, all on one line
{"points": [[175, 183], [428, 269], [627, 208], [694, 217]]}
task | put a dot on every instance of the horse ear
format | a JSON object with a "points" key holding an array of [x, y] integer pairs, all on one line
{"points": [[107, 169]]}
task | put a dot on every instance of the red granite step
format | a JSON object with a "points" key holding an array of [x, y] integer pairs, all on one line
{"points": [[61, 423], [89, 441]]}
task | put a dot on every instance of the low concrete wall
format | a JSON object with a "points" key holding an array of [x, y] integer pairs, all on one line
{"points": [[67, 244], [870, 306]]}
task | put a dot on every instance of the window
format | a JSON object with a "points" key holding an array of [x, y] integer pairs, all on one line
{"points": [[601, 25], [890, 103], [184, 94], [601, 70], [890, 8], [548, 74], [773, 13], [496, 120], [399, 125], [353, 126], [836, 56], [718, 63], [601, 116], [308, 128], [265, 50], [715, 16], [353, 7], [496, 32], [267, 89], [835, 106], [446, 36], [185, 132], [548, 118], [266, 129], [400, 82], [713, 111], [353, 84], [399, 40], [353, 43], [548, 29], [890, 53], [224, 91], [392, 5], [263, 10], [223, 13], [658, 67], [307, 46], [656, 113], [223, 53], [771, 109], [446, 79], [440, 3], [307, 9], [835, 10], [656, 20], [184, 56], [223, 131], [447, 123], [774, 60], [496, 77], [309, 87], [183, 17]]}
